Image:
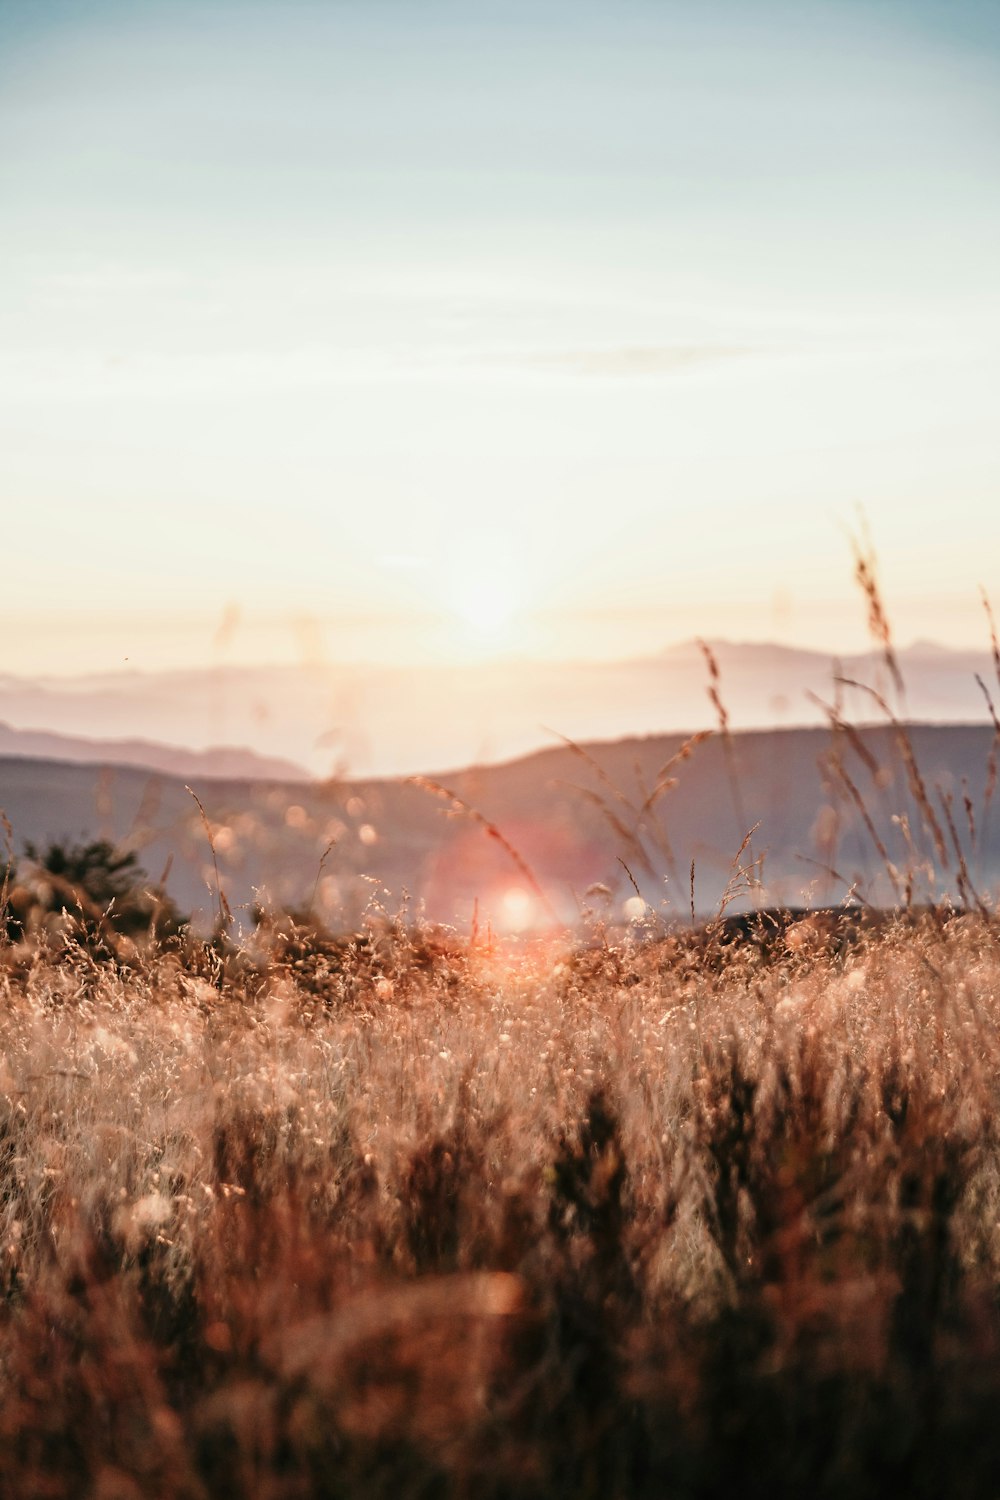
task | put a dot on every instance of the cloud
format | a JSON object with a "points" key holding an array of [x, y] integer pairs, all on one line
{"points": [[633, 360], [90, 375], [100, 282]]}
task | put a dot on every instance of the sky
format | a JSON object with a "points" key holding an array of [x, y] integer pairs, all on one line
{"points": [[412, 330]]}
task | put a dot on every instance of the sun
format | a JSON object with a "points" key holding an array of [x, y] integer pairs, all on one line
{"points": [[487, 606], [485, 598]]}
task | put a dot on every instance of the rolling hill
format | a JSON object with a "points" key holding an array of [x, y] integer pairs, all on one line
{"points": [[570, 818]]}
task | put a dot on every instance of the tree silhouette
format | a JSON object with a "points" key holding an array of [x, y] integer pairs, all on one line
{"points": [[104, 888]]}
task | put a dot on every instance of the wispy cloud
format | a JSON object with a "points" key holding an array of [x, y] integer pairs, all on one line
{"points": [[75, 375], [632, 360], [89, 283]]}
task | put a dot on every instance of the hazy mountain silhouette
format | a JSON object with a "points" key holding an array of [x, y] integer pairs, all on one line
{"points": [[572, 814], [219, 761], [378, 720]]}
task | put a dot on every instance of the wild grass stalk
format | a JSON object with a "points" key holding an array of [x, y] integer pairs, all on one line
{"points": [[586, 1221]]}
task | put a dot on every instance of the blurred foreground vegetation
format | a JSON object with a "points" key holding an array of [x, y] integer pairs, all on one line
{"points": [[634, 1214]]}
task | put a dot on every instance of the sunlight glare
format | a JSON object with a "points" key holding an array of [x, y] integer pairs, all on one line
{"points": [[485, 596], [519, 910], [485, 605]]}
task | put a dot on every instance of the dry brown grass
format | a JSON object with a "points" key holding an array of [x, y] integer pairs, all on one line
{"points": [[626, 1218]]}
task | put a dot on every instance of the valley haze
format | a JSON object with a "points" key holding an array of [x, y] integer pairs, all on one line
{"points": [[321, 718]]}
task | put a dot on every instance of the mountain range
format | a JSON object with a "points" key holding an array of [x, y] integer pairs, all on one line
{"points": [[553, 834], [225, 761], [324, 719]]}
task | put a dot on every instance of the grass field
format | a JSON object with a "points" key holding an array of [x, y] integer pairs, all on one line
{"points": [[632, 1215]]}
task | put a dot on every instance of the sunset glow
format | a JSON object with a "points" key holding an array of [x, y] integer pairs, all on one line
{"points": [[659, 293]]}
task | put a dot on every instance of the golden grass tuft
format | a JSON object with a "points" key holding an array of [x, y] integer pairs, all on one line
{"points": [[649, 1216]]}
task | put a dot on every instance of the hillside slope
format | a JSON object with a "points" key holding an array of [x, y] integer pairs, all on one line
{"points": [[571, 815]]}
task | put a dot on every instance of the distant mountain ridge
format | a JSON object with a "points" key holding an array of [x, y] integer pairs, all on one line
{"points": [[377, 720], [219, 762]]}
